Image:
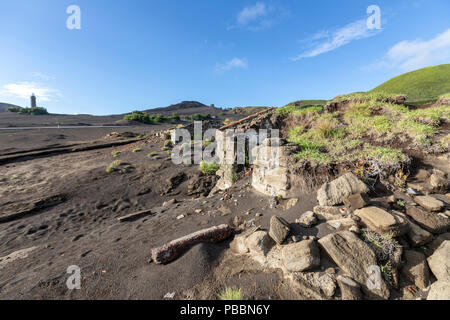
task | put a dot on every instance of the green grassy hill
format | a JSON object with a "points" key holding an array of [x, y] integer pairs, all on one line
{"points": [[304, 103], [423, 85]]}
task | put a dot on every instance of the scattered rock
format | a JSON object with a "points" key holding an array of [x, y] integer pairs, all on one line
{"points": [[290, 204], [429, 203], [238, 221], [381, 221], [334, 192], [431, 222], [181, 216], [307, 219], [416, 269], [440, 290], [439, 262], [259, 242], [357, 201], [350, 290], [170, 202], [436, 243], [422, 175], [416, 235], [301, 256], [438, 183], [327, 213], [313, 285], [354, 257], [238, 244], [279, 229], [342, 224]]}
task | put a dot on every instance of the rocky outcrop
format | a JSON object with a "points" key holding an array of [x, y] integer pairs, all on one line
{"points": [[356, 201], [350, 290], [307, 219], [382, 222], [356, 259], [259, 242], [312, 285], [440, 290], [279, 229], [430, 221], [416, 235], [429, 203], [328, 213], [439, 262], [416, 269], [301, 256], [336, 191]]}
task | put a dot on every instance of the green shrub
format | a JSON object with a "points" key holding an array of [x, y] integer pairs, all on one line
{"points": [[231, 294], [209, 168], [31, 111]]}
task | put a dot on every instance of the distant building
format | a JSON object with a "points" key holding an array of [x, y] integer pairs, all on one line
{"points": [[33, 101]]}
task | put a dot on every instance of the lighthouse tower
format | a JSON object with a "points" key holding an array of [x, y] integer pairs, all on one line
{"points": [[33, 101]]}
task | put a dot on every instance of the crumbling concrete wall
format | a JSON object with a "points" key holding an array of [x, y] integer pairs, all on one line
{"points": [[270, 171]]}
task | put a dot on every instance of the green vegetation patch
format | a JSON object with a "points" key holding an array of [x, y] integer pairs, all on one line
{"points": [[209, 168], [231, 294], [31, 111], [424, 84]]}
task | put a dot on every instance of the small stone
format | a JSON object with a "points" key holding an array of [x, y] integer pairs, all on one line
{"points": [[439, 262], [307, 219], [301, 256], [350, 290], [440, 290], [416, 269], [438, 183], [382, 222], [357, 201], [391, 199], [258, 215], [197, 211], [355, 229], [334, 192], [429, 203], [170, 202], [181, 216], [279, 229], [327, 213], [290, 204], [259, 242], [430, 221], [237, 221], [330, 271]]}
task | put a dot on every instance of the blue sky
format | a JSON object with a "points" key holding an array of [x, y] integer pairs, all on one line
{"points": [[138, 54]]}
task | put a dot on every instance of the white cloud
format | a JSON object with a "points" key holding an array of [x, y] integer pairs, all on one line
{"points": [[333, 40], [235, 63], [256, 17], [25, 89], [251, 13], [416, 54]]}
